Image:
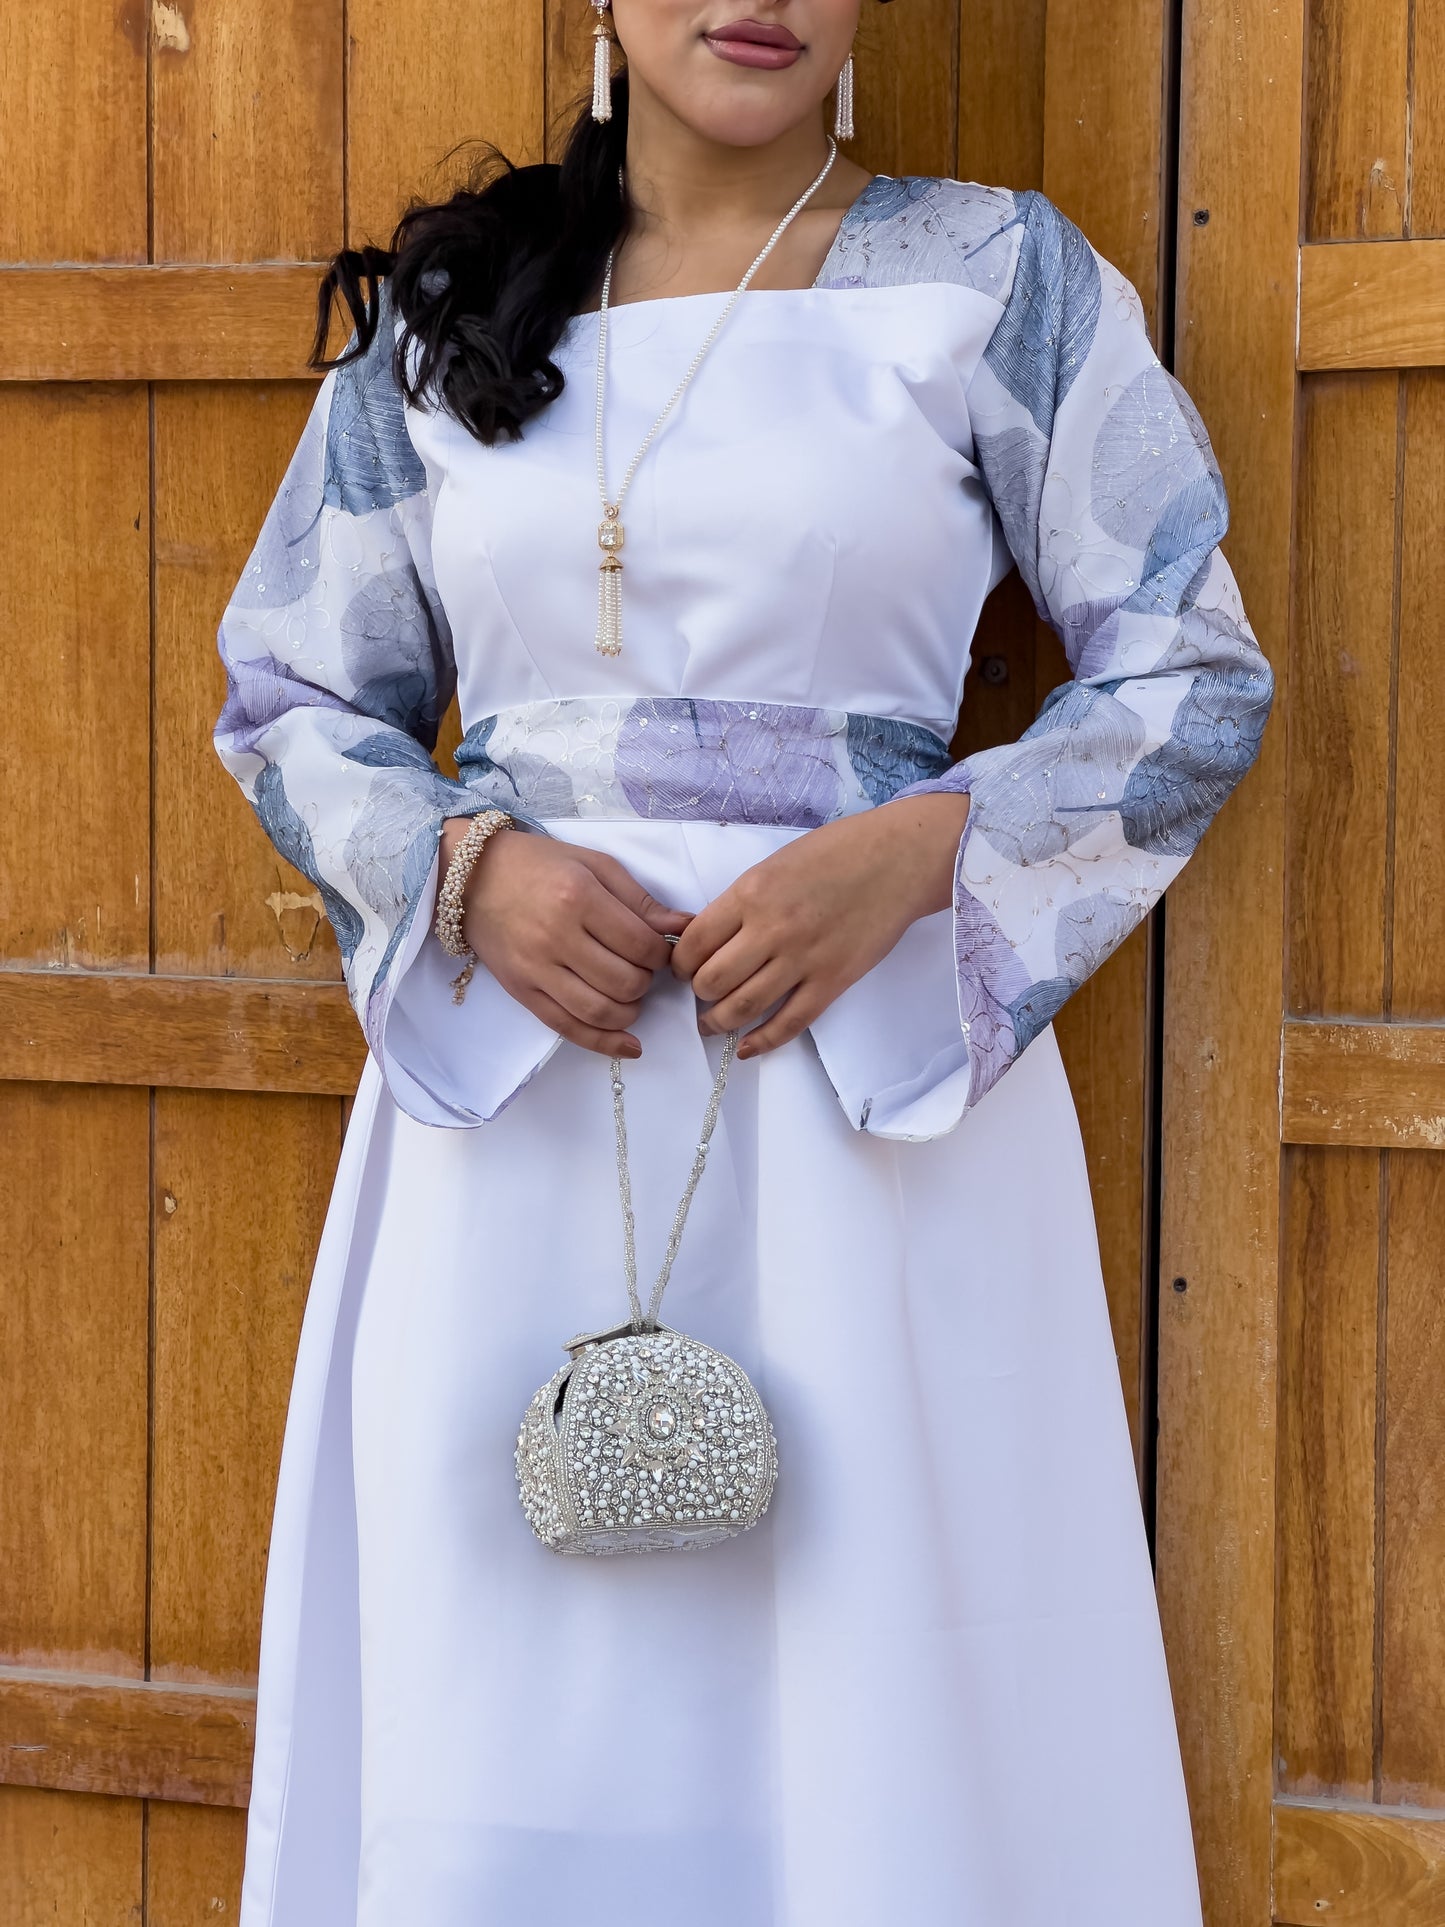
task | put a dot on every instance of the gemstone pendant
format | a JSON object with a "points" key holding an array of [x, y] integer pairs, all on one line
{"points": [[609, 583]]}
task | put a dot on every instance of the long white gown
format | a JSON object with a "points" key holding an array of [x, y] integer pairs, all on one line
{"points": [[929, 1686]]}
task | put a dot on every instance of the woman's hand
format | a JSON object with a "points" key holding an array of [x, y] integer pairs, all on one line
{"points": [[565, 931], [816, 915]]}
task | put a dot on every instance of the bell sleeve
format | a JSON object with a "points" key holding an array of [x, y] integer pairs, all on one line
{"points": [[1111, 503], [339, 667]]}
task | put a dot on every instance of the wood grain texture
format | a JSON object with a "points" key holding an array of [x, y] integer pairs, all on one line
{"points": [[1369, 1084], [247, 119], [1219, 1231], [75, 665], [1425, 205], [152, 324], [225, 903], [69, 1860], [194, 1857], [420, 86], [1325, 1626], [906, 60], [1372, 304], [125, 1737], [191, 1033], [1417, 979], [1412, 1685], [72, 138], [1339, 699], [73, 1388], [1352, 1867], [241, 1187], [1001, 92], [1356, 126]]}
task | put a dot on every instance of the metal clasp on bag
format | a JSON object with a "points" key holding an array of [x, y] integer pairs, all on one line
{"points": [[576, 1346]]}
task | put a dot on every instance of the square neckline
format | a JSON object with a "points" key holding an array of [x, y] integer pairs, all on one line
{"points": [[851, 212]]}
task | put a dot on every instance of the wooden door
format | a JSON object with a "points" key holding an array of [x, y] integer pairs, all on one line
{"points": [[1302, 1341], [175, 1049]]}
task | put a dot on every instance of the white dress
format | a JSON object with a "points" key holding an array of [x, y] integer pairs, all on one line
{"points": [[929, 1685]]}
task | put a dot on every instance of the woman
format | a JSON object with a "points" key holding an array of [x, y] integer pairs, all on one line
{"points": [[928, 1685]]}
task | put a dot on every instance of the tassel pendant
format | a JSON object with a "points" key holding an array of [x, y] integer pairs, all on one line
{"points": [[601, 65], [609, 583], [843, 110]]}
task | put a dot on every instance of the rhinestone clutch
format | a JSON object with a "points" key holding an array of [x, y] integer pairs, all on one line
{"points": [[644, 1442]]}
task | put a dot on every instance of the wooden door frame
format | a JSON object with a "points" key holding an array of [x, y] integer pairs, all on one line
{"points": [[1238, 259]]}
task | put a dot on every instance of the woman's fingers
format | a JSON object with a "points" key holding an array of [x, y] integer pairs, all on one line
{"points": [[588, 1005], [707, 932], [601, 967], [790, 1020], [657, 919], [610, 1043], [754, 996]]}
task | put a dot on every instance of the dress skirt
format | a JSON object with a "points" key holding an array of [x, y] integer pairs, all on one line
{"points": [[928, 1687]]}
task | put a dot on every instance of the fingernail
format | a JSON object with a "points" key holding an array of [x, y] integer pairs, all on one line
{"points": [[632, 1048], [747, 1050]]}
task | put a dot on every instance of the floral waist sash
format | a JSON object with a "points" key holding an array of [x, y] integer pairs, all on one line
{"points": [[687, 759]]}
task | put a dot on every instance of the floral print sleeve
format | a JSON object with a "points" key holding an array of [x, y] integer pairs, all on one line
{"points": [[339, 666], [1111, 503]]}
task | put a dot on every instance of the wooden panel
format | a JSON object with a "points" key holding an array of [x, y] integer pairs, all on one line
{"points": [[1417, 980], [1372, 304], [247, 118], [1426, 204], [907, 75], [1364, 1084], [69, 1861], [194, 1858], [1224, 936], [1001, 92], [1356, 1868], [121, 1737], [226, 904], [1325, 1637], [414, 92], [241, 1190], [72, 138], [1356, 138], [189, 1033], [73, 1391], [75, 662], [1103, 110], [1412, 1688], [1339, 703], [149, 324]]}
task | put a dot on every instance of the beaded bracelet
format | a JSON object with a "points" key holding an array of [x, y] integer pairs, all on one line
{"points": [[451, 897]]}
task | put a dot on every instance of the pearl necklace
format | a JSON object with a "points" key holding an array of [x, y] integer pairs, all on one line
{"points": [[610, 535]]}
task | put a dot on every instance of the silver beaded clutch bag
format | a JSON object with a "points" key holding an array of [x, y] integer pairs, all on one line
{"points": [[646, 1440]]}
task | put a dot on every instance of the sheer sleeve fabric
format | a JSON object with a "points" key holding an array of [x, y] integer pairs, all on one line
{"points": [[339, 667], [1111, 504]]}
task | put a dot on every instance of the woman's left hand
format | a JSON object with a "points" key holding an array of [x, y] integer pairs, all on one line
{"points": [[806, 922]]}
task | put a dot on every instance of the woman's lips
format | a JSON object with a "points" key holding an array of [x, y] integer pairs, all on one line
{"points": [[748, 43]]}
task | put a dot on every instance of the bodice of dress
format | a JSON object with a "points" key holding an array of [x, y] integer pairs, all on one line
{"points": [[809, 528]]}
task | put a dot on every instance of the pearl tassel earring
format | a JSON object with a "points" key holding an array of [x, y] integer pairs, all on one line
{"points": [[843, 113], [601, 64]]}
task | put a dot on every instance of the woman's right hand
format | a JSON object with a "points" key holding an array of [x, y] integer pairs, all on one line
{"points": [[566, 931]]}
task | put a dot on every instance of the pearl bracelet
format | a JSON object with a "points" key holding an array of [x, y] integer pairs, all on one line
{"points": [[451, 897]]}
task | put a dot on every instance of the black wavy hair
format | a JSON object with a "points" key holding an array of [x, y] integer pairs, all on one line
{"points": [[486, 281]]}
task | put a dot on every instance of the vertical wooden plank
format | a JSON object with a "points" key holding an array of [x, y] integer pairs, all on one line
{"points": [[241, 1190], [1215, 1540], [1000, 129], [1425, 205], [1356, 140], [194, 1858], [1339, 705], [907, 105], [1417, 979], [74, 663], [73, 1391], [69, 1859], [226, 904], [1412, 1687], [247, 143], [415, 91], [1329, 1297], [1103, 126], [72, 138]]}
